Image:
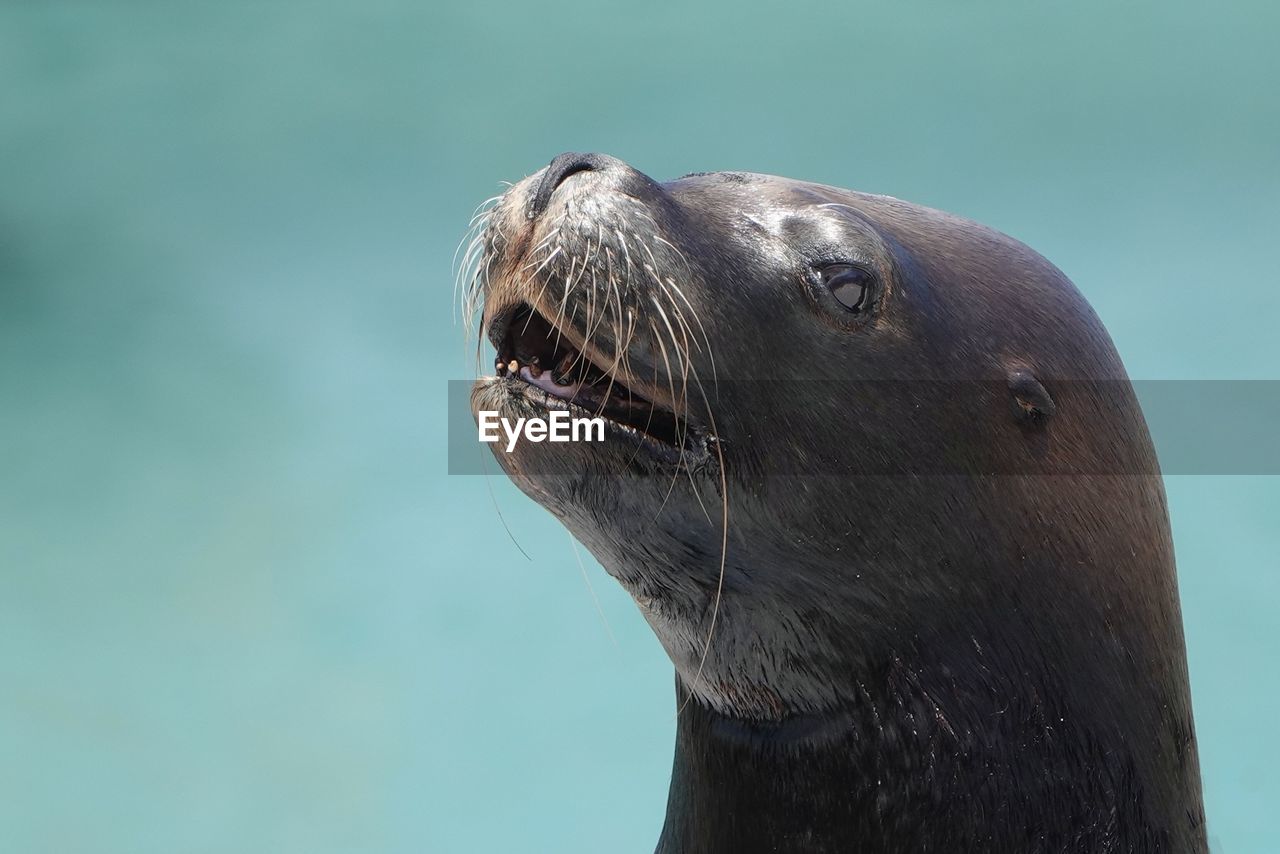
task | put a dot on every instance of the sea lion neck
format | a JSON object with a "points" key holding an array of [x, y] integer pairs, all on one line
{"points": [[732, 783], [932, 743], [864, 777]]}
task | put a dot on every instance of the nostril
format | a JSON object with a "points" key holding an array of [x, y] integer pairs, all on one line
{"points": [[561, 168]]}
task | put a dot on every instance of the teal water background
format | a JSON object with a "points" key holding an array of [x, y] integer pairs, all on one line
{"points": [[242, 606]]}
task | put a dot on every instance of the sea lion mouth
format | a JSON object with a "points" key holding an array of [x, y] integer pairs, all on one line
{"points": [[533, 351]]}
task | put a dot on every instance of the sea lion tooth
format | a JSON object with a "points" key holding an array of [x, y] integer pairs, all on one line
{"points": [[513, 366]]}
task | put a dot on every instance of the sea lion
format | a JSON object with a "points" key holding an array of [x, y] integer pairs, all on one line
{"points": [[877, 479]]}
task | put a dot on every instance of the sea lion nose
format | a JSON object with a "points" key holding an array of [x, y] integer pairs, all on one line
{"points": [[561, 168]]}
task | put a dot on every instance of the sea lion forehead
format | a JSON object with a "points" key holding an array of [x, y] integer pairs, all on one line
{"points": [[812, 218], [756, 190]]}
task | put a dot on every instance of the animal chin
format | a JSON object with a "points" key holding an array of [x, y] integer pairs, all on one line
{"points": [[535, 353]]}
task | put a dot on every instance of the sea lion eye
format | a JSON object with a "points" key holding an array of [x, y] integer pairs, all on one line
{"points": [[850, 285]]}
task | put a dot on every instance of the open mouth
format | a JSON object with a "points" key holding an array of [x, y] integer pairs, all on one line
{"points": [[533, 351]]}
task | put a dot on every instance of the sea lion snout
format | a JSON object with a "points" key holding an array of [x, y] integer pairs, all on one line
{"points": [[559, 170], [609, 173]]}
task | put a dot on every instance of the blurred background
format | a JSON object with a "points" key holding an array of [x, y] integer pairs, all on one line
{"points": [[242, 605]]}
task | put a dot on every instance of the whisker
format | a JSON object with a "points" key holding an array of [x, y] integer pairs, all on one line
{"points": [[724, 556], [591, 589], [697, 320]]}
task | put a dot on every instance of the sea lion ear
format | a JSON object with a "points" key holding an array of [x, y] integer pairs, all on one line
{"points": [[1030, 401]]}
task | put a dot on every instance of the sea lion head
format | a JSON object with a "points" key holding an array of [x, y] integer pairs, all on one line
{"points": [[822, 412], [877, 479]]}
